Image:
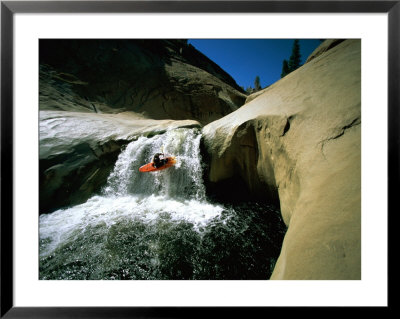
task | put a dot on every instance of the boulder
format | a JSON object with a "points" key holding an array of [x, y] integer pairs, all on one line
{"points": [[160, 79], [78, 150], [298, 144]]}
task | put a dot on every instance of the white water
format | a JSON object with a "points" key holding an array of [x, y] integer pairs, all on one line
{"points": [[130, 194]]}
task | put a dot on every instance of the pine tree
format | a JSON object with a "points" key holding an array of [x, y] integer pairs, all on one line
{"points": [[249, 90], [295, 58], [257, 86], [285, 68]]}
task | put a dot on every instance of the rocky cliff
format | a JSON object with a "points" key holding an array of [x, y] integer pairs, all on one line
{"points": [[95, 96], [298, 144], [78, 151], [159, 79]]}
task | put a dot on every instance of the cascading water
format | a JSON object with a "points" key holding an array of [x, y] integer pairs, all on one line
{"points": [[159, 225], [184, 181]]}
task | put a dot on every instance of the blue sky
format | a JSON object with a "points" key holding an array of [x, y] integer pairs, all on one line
{"points": [[244, 59]]}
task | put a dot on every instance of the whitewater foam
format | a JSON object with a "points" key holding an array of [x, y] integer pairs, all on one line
{"points": [[129, 194]]}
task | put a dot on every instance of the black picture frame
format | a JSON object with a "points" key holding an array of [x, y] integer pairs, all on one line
{"points": [[9, 8]]}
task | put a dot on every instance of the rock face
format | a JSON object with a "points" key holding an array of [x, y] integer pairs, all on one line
{"points": [[160, 79], [78, 151], [325, 46], [98, 95], [298, 144]]}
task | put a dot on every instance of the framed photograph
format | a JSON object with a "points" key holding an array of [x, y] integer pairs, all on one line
{"points": [[183, 158]]}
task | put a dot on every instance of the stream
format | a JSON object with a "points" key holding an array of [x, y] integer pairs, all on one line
{"points": [[160, 225]]}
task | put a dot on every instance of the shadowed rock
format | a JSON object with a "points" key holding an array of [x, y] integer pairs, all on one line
{"points": [[160, 79], [96, 96], [78, 151]]}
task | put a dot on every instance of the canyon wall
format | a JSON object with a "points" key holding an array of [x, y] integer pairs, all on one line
{"points": [[298, 144]]}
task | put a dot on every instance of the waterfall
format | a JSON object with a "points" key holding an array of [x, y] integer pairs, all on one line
{"points": [[177, 191], [183, 181], [153, 225]]}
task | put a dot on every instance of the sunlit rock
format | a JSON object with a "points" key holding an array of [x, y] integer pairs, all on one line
{"points": [[78, 151], [298, 143]]}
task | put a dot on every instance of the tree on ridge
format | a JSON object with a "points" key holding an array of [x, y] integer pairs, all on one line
{"points": [[285, 68], [257, 86], [294, 60]]}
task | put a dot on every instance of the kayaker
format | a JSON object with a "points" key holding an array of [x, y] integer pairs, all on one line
{"points": [[157, 161]]}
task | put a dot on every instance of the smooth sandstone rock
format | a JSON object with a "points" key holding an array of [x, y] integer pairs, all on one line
{"points": [[299, 142], [160, 79], [95, 96], [78, 151], [325, 46]]}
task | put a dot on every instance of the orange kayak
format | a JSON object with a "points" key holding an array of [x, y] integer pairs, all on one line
{"points": [[150, 168]]}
